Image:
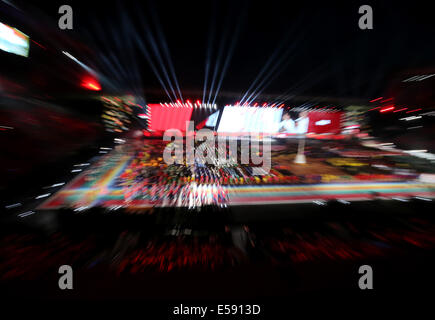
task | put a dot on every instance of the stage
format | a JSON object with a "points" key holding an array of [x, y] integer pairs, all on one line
{"points": [[117, 180]]}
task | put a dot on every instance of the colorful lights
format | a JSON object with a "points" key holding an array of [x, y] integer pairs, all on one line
{"points": [[187, 104], [91, 84], [374, 100], [13, 41], [385, 100], [403, 109], [117, 113], [414, 110], [261, 104], [387, 108]]}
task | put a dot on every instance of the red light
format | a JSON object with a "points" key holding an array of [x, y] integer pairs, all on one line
{"points": [[376, 99], [385, 100], [162, 119], [38, 44], [198, 102], [414, 110], [401, 110], [386, 109], [91, 84]]}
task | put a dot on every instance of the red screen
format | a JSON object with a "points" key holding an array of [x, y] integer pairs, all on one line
{"points": [[164, 118], [333, 127]]}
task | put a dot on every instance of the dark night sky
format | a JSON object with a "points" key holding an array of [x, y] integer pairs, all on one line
{"points": [[322, 49]]}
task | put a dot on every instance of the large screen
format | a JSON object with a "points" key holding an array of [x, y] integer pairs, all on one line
{"points": [[277, 121], [13, 41], [212, 119], [250, 119], [324, 122], [168, 117]]}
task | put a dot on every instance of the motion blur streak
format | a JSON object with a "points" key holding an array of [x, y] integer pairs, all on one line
{"points": [[235, 35]]}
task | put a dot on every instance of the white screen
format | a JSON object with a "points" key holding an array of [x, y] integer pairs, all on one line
{"points": [[250, 119], [212, 119], [13, 41]]}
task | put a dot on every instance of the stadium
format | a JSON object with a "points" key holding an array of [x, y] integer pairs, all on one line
{"points": [[197, 175]]}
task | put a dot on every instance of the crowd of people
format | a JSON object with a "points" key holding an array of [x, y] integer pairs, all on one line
{"points": [[348, 241], [33, 256], [29, 256], [178, 254]]}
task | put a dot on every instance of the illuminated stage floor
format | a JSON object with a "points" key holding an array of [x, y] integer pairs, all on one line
{"points": [[350, 191], [103, 190]]}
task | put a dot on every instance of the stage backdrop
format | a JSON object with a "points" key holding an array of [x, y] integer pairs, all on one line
{"points": [[163, 117], [238, 119], [324, 122]]}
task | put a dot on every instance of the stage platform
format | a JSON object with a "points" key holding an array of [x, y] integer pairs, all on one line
{"points": [[113, 181]]}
